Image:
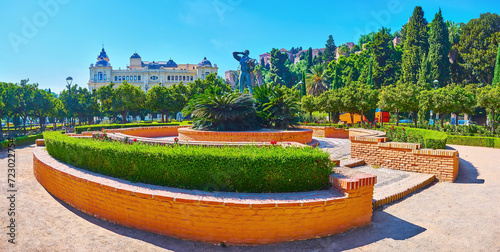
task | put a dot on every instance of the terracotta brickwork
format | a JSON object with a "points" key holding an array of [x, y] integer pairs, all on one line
{"points": [[300, 136], [327, 131], [233, 218], [406, 157]]}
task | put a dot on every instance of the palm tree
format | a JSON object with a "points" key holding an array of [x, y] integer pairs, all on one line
{"points": [[316, 81], [231, 112]]}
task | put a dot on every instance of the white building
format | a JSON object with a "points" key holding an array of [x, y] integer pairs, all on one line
{"points": [[146, 74]]}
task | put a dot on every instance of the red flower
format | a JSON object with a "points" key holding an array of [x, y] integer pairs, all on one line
{"points": [[115, 128], [176, 140], [135, 139], [274, 142], [306, 122], [403, 128], [102, 128]]}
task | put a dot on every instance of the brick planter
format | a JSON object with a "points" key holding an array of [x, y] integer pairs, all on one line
{"points": [[233, 218], [300, 136]]}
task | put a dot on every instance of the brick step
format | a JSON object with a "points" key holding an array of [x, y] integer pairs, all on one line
{"points": [[352, 162]]}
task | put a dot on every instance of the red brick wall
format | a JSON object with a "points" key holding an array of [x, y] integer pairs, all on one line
{"points": [[299, 136], [233, 219], [327, 131], [406, 157]]}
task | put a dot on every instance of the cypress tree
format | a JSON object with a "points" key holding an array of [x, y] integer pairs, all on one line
{"points": [[439, 48], [423, 76], [330, 48], [303, 87], [370, 82], [496, 78], [415, 46], [309, 58]]}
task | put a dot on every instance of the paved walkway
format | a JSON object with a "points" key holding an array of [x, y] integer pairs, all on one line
{"points": [[460, 216]]}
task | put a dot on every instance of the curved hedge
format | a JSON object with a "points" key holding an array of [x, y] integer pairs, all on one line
{"points": [[20, 141], [80, 129], [432, 139], [493, 142], [235, 169]]}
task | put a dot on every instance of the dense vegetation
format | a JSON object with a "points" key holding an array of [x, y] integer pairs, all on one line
{"points": [[233, 169], [438, 66]]}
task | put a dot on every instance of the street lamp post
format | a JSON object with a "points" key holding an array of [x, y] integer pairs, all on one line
{"points": [[69, 80], [300, 97]]}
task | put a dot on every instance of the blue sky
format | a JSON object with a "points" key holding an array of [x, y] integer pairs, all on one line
{"points": [[48, 40]]}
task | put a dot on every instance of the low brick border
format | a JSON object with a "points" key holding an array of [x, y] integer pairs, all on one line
{"points": [[400, 195], [302, 136], [406, 157], [327, 131], [233, 218]]}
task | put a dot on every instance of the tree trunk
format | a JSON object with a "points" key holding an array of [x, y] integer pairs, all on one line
{"points": [[456, 120], [124, 117], [362, 120], [1, 128], [415, 117], [352, 118], [162, 117], [24, 123], [442, 121], [8, 128], [382, 118], [492, 120], [55, 124], [397, 117], [166, 116], [310, 115]]}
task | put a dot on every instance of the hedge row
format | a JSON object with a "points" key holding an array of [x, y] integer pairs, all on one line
{"points": [[80, 129], [493, 142], [432, 139], [20, 141], [234, 169]]}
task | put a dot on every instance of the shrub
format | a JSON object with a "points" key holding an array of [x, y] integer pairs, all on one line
{"points": [[475, 141], [235, 169], [431, 139], [20, 141], [80, 129]]}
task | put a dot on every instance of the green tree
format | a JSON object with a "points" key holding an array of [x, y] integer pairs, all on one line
{"points": [[442, 101], [367, 98], [424, 78], [179, 99], [316, 81], [415, 46], [489, 97], [330, 50], [478, 47], [309, 104], [370, 81], [439, 48], [128, 98], [159, 99], [496, 78], [388, 100], [330, 102], [465, 100], [57, 111], [280, 72], [106, 96], [350, 99], [42, 105], [25, 104]]}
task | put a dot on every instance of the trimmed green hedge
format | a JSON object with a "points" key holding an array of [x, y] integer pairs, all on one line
{"points": [[20, 141], [80, 129], [432, 139], [234, 169], [493, 142]]}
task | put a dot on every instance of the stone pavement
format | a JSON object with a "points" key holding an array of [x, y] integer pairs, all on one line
{"points": [[460, 216]]}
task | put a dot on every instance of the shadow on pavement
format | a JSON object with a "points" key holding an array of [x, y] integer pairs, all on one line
{"points": [[384, 225], [467, 174]]}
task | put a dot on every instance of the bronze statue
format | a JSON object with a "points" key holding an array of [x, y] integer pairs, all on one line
{"points": [[247, 65]]}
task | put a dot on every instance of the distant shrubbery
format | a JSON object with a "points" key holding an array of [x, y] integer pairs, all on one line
{"points": [[235, 169], [24, 140], [80, 129]]}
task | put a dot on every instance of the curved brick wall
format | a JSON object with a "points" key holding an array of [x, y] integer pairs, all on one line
{"points": [[233, 218], [327, 131], [155, 131], [300, 136]]}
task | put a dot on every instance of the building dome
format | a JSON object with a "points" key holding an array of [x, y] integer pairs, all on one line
{"points": [[171, 63], [103, 54], [102, 63], [135, 55], [205, 63]]}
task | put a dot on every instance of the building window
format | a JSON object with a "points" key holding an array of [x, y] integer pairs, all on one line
{"points": [[127, 77], [184, 78], [119, 78], [116, 78], [135, 77], [123, 77], [139, 77], [104, 76], [168, 77], [176, 78], [191, 78], [95, 77], [207, 73], [100, 76], [202, 76]]}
